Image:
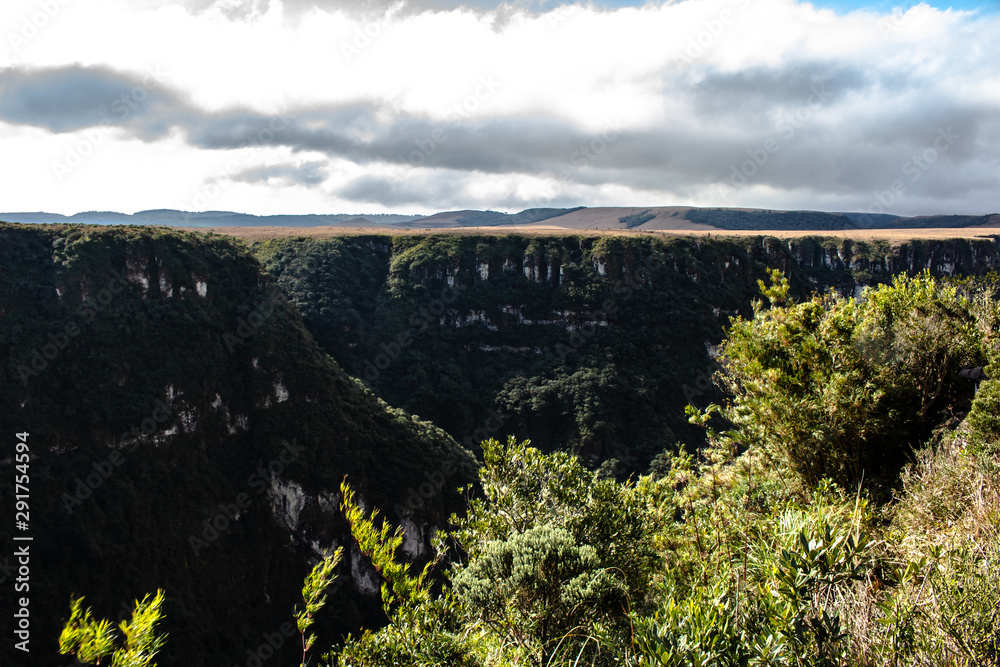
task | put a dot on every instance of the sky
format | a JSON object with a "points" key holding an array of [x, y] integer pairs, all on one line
{"points": [[379, 106]]}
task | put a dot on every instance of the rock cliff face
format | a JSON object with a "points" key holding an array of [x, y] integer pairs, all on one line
{"points": [[832, 259], [591, 343], [187, 433]]}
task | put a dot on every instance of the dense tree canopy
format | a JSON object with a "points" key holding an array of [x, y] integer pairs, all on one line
{"points": [[846, 513]]}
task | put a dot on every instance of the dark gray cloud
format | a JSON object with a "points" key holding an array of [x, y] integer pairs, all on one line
{"points": [[308, 173], [752, 95], [417, 188], [72, 98], [826, 128]]}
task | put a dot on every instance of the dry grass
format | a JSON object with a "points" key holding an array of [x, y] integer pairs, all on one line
{"points": [[253, 234], [949, 500]]}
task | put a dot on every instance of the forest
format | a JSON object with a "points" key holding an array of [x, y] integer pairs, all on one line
{"points": [[630, 451], [589, 344], [844, 512]]}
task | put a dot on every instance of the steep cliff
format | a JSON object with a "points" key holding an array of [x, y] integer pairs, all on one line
{"points": [[186, 432], [847, 264], [590, 343]]}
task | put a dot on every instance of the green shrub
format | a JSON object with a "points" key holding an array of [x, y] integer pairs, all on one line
{"points": [[701, 629], [984, 418], [314, 598], [525, 489], [845, 389], [91, 641], [636, 219], [782, 609], [540, 591]]}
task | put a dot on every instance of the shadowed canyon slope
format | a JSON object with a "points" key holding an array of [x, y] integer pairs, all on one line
{"points": [[187, 433], [193, 407], [590, 343]]}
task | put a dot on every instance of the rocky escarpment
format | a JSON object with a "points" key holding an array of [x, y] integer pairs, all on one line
{"points": [[188, 434], [841, 262], [591, 343]]}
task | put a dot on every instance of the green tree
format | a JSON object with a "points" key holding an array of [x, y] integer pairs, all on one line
{"points": [[984, 418], [423, 629], [92, 641], [846, 388], [539, 590], [571, 551], [522, 488], [556, 558], [314, 598]]}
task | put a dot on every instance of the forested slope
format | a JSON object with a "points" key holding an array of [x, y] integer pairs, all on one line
{"points": [[592, 344], [848, 515], [165, 383], [189, 429]]}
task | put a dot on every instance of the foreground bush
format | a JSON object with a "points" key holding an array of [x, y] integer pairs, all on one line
{"points": [[846, 389], [555, 560], [135, 643]]}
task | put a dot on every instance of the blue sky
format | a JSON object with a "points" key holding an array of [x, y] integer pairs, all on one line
{"points": [[844, 6]]}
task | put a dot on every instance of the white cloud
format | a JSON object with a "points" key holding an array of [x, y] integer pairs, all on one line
{"points": [[696, 87]]}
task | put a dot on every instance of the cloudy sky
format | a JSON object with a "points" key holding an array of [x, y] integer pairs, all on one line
{"points": [[312, 106]]}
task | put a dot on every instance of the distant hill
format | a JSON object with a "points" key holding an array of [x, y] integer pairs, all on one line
{"points": [[663, 218], [473, 218], [687, 218], [952, 221], [174, 218], [769, 220]]}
